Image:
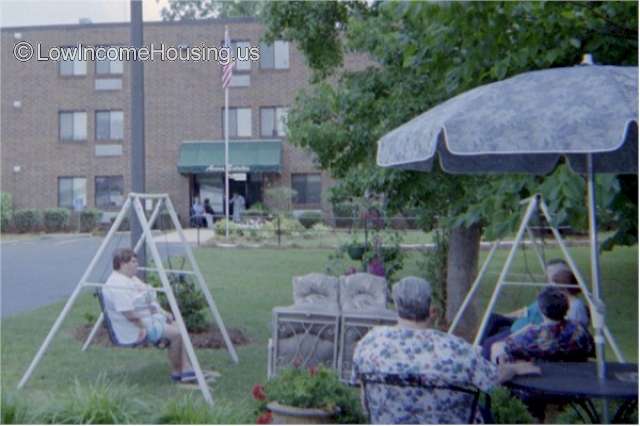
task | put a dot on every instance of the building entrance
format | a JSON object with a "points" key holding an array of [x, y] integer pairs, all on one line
{"points": [[211, 186]]}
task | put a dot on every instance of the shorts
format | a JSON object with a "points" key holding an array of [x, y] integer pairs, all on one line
{"points": [[155, 328]]}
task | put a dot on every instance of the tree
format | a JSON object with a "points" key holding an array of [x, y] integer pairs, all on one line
{"points": [[423, 54], [200, 9]]}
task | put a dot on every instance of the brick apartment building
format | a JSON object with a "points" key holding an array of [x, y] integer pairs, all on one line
{"points": [[65, 129]]}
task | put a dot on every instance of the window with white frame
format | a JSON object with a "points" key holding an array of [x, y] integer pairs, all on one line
{"points": [[308, 188], [73, 125], [72, 192], [273, 121], [239, 122], [108, 66], [72, 67], [274, 56], [109, 192], [109, 125]]}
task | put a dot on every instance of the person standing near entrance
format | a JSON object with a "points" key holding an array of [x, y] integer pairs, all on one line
{"points": [[238, 207], [197, 214]]}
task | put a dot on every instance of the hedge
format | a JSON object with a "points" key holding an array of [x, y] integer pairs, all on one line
{"points": [[6, 210], [89, 219], [27, 220], [56, 219]]}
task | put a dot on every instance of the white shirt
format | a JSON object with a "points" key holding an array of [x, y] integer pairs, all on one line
{"points": [[577, 311], [122, 294]]}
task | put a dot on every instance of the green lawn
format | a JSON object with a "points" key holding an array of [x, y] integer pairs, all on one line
{"points": [[246, 285]]}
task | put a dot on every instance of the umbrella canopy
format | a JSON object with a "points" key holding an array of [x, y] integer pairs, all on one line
{"points": [[525, 123]]}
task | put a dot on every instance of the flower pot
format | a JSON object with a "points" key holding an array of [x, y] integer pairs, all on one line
{"points": [[287, 415], [356, 251]]}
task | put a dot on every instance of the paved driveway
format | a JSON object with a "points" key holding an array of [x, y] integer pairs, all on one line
{"points": [[45, 270]]}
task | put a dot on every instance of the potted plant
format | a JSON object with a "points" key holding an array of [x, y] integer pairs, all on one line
{"points": [[307, 396]]}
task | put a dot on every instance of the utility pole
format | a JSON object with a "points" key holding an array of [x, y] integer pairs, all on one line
{"points": [[137, 123]]}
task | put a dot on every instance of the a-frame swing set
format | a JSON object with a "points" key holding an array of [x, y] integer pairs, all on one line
{"points": [[534, 204], [135, 201]]}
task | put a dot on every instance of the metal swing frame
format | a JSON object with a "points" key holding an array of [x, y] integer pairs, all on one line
{"points": [[134, 201], [535, 203]]}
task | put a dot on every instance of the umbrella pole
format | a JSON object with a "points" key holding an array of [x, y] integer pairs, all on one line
{"points": [[598, 316]]}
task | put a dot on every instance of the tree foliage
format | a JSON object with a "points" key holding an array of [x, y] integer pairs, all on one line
{"points": [[200, 9], [421, 55]]}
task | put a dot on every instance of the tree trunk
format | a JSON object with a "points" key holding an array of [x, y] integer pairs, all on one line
{"points": [[462, 268]]}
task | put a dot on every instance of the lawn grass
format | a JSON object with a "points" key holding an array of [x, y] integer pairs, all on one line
{"points": [[247, 284]]}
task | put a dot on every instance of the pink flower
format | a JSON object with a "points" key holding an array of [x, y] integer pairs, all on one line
{"points": [[265, 418], [258, 393]]}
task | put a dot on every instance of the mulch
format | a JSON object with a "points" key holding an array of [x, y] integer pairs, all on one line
{"points": [[210, 339]]}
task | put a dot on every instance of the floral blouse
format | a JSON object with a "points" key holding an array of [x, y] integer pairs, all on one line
{"points": [[434, 356]]}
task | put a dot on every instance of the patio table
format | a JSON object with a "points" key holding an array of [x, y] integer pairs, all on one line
{"points": [[578, 384]]}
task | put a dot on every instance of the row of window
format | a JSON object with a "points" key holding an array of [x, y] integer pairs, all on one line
{"points": [[109, 192], [273, 122], [73, 125], [272, 56], [110, 124]]}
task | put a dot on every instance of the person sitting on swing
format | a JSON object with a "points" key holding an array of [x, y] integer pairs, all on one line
{"points": [[501, 326], [556, 339], [136, 317]]}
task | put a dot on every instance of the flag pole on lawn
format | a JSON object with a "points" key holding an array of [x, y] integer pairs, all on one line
{"points": [[227, 73]]}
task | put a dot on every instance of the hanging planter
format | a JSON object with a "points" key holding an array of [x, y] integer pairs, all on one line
{"points": [[356, 251]]}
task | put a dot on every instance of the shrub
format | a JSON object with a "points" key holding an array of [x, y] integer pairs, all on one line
{"points": [[310, 218], [288, 226], [569, 415], [190, 299], [99, 403], [257, 210], [55, 220], [219, 227], [89, 219], [27, 220], [319, 229], [190, 410], [281, 197], [313, 388], [6, 210], [507, 409]]}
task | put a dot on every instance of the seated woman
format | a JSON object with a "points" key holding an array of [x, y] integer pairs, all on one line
{"points": [[137, 317], [556, 339], [413, 349]]}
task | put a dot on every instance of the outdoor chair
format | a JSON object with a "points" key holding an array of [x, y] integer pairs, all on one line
{"points": [[421, 383], [162, 343]]}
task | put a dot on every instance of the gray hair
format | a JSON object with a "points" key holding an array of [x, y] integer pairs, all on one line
{"points": [[412, 296], [554, 266]]}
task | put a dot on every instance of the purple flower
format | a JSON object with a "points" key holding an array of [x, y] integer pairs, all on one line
{"points": [[376, 267]]}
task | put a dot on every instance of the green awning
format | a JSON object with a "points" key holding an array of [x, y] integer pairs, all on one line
{"points": [[244, 156]]}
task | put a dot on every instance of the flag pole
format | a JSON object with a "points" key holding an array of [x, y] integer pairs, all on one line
{"points": [[226, 162], [226, 149]]}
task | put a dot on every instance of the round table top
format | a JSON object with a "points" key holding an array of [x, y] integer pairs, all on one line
{"points": [[580, 379]]}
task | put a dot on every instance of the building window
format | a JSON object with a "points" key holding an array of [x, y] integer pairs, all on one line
{"points": [[240, 50], [274, 56], [72, 192], [109, 192], [73, 125], [273, 121], [73, 66], [308, 188], [239, 122], [107, 66], [109, 125]]}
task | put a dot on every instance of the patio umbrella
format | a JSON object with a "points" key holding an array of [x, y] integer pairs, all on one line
{"points": [[524, 124]]}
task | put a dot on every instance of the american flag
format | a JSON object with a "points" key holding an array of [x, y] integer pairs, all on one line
{"points": [[227, 70]]}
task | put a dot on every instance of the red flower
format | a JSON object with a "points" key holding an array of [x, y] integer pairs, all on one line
{"points": [[265, 418], [258, 393], [297, 362], [312, 371]]}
